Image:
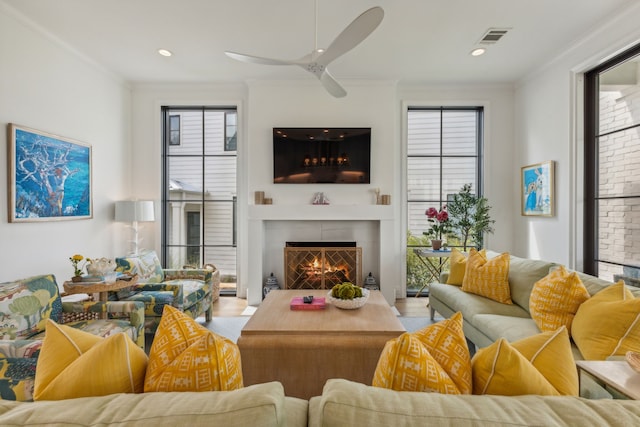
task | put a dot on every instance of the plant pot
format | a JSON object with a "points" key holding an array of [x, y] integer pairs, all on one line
{"points": [[76, 279], [436, 244]]}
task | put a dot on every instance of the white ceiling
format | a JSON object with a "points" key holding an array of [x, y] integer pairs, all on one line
{"points": [[417, 41]]}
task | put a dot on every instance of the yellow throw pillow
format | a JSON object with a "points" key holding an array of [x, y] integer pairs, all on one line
{"points": [[186, 356], [608, 324], [500, 369], [555, 299], [73, 363], [550, 353], [406, 365], [457, 266], [447, 345], [488, 278]]}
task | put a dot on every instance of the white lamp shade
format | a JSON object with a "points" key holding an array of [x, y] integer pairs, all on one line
{"points": [[135, 210]]}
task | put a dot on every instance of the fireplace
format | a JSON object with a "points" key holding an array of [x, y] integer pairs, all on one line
{"points": [[321, 265]]}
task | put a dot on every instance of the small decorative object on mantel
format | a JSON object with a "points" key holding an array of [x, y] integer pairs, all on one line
{"points": [[440, 225], [385, 199], [320, 199], [259, 197]]}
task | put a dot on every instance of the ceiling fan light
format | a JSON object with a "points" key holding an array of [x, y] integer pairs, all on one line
{"points": [[165, 52], [478, 51]]}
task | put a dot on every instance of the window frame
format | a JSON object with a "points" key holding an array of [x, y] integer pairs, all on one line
{"points": [[591, 107]]}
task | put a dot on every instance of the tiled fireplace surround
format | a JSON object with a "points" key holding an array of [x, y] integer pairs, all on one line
{"points": [[371, 227]]}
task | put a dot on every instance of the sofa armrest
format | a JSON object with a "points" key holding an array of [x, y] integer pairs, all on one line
{"points": [[211, 276]]}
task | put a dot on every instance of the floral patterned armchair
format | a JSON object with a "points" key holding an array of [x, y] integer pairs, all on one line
{"points": [[192, 291], [25, 306]]}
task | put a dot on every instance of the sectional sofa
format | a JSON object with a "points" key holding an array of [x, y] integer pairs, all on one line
{"points": [[342, 403], [485, 320]]}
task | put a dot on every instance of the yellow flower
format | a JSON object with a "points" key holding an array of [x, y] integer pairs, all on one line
{"points": [[75, 259]]}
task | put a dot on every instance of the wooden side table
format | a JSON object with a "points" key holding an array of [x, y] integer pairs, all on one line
{"points": [[614, 374], [100, 288]]}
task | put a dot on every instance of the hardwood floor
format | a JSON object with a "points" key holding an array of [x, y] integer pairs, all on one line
{"points": [[233, 306]]}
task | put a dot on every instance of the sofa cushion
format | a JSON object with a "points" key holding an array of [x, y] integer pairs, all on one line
{"points": [[499, 369], [186, 356], [146, 265], [471, 304], [257, 405], [434, 358], [26, 305], [346, 403], [496, 326], [550, 353], [447, 344], [74, 364], [488, 278], [457, 266], [608, 324], [405, 364], [523, 274], [555, 299]]}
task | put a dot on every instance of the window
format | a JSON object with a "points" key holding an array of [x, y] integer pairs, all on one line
{"points": [[612, 169], [174, 130], [444, 147], [230, 129], [199, 202]]}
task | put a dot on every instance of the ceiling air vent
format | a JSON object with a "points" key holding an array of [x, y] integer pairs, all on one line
{"points": [[493, 35]]}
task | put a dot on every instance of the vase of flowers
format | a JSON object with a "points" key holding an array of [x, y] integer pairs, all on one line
{"points": [[439, 226], [77, 269]]}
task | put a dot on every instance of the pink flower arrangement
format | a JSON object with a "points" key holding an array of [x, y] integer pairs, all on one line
{"points": [[439, 221]]}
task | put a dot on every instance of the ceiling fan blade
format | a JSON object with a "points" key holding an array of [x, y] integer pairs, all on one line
{"points": [[257, 59], [353, 35], [331, 85]]}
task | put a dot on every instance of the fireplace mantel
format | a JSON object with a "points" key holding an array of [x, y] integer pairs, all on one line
{"points": [[388, 242], [320, 212]]}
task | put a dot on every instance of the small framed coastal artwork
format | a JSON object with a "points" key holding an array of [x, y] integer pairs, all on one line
{"points": [[537, 184], [49, 177]]}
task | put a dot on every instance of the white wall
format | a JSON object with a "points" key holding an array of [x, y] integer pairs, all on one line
{"points": [[548, 120], [49, 88]]}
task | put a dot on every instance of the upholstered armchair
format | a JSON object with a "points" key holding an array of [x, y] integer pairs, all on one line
{"points": [[192, 291], [25, 306]]}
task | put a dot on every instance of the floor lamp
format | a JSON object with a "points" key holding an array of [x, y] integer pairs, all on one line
{"points": [[135, 211]]}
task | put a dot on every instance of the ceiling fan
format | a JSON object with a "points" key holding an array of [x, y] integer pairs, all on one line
{"points": [[317, 61]]}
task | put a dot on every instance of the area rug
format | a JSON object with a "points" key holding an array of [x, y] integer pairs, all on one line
{"points": [[230, 327]]}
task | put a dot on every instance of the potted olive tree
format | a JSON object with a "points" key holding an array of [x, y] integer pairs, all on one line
{"points": [[469, 217]]}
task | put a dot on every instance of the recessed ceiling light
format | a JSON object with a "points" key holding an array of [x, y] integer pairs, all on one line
{"points": [[164, 52], [478, 51]]}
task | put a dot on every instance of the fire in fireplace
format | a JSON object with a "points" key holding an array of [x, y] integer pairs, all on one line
{"points": [[321, 265]]}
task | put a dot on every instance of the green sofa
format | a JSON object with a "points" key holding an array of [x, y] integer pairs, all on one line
{"points": [[485, 320], [342, 403]]}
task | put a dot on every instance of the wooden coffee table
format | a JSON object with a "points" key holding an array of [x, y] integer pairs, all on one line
{"points": [[303, 349]]}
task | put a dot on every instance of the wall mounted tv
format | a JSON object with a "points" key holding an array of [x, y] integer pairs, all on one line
{"points": [[321, 155]]}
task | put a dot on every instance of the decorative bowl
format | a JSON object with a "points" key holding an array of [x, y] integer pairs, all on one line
{"points": [[349, 304], [633, 359]]}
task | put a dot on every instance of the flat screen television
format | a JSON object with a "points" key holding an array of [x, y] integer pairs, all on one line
{"points": [[321, 155]]}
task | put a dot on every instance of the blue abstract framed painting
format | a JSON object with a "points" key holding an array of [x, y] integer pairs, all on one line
{"points": [[50, 177], [537, 189]]}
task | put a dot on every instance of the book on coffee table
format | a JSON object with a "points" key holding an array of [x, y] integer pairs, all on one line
{"points": [[297, 303]]}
